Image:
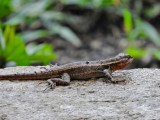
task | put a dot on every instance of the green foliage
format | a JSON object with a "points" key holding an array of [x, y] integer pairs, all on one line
{"points": [[29, 36], [33, 14], [144, 30], [134, 26], [156, 54], [40, 53], [90, 3], [127, 22], [153, 11], [136, 52], [5, 8], [12, 48], [44, 18], [137, 29]]}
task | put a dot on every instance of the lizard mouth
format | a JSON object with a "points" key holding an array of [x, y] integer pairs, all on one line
{"points": [[130, 60], [120, 65]]}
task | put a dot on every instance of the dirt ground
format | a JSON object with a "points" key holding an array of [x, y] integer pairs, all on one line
{"points": [[138, 98]]}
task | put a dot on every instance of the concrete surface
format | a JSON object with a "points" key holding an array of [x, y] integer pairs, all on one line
{"points": [[138, 98]]}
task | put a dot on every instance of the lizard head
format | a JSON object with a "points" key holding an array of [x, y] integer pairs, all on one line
{"points": [[120, 61]]}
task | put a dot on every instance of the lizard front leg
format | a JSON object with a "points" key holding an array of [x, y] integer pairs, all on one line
{"points": [[65, 80], [108, 74]]}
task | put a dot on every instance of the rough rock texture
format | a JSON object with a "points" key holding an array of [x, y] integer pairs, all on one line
{"points": [[138, 98]]}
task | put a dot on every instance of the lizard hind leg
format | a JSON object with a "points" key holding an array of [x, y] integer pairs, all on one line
{"points": [[64, 80]]}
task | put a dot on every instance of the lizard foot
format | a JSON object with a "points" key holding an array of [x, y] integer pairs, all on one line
{"points": [[115, 80], [51, 85]]}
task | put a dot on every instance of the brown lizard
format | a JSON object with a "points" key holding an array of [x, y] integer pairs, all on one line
{"points": [[61, 75]]}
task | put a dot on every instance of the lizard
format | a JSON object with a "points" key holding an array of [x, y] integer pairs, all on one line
{"points": [[63, 74]]}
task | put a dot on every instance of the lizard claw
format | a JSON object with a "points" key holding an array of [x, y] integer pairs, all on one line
{"points": [[115, 81], [51, 85]]}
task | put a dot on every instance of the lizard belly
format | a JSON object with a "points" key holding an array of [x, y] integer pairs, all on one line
{"points": [[86, 75]]}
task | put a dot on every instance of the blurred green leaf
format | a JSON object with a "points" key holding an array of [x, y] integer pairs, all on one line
{"points": [[156, 54], [2, 42], [32, 9], [91, 3], [67, 34], [64, 32], [53, 15], [41, 53], [15, 51], [154, 11], [15, 20], [128, 24], [136, 52], [133, 35], [83, 2], [57, 16], [144, 30], [104, 3], [15, 47], [151, 32], [33, 35], [5, 8], [9, 33]]}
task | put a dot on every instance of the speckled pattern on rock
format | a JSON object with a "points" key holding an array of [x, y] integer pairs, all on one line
{"points": [[138, 98]]}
